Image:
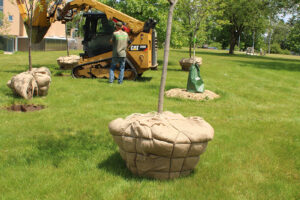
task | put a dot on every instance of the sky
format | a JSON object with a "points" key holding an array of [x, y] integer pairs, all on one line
{"points": [[286, 18]]}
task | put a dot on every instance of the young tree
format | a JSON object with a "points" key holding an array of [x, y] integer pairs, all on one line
{"points": [[34, 10], [166, 56], [30, 9], [195, 16], [67, 43]]}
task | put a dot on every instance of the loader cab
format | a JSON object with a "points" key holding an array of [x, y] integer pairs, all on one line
{"points": [[98, 31]]}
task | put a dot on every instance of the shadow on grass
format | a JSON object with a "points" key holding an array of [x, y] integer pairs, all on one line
{"points": [[9, 93], [144, 79], [139, 79], [186, 52], [24, 68], [160, 62], [170, 62], [169, 87], [271, 65], [115, 165], [177, 70], [13, 71], [199, 53], [57, 148]]}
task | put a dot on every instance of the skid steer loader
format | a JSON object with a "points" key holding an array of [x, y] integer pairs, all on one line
{"points": [[98, 29]]}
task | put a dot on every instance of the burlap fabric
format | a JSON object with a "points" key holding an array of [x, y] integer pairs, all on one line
{"points": [[185, 63], [68, 62], [161, 146], [34, 82]]}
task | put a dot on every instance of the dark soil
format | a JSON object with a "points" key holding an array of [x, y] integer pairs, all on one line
{"points": [[24, 108]]}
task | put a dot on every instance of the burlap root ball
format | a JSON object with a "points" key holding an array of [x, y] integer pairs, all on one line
{"points": [[161, 146], [186, 63], [34, 82], [68, 62]]}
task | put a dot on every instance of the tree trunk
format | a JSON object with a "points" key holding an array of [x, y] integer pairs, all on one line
{"points": [[29, 48], [232, 42], [234, 37], [166, 56], [68, 53], [29, 38], [190, 50], [269, 43], [190, 23], [253, 44]]}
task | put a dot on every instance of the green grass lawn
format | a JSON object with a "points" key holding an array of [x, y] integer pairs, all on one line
{"points": [[66, 152]]}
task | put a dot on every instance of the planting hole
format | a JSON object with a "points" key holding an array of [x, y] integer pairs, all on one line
{"points": [[24, 107]]}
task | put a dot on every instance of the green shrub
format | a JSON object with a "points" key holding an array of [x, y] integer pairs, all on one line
{"points": [[236, 48], [275, 48], [1, 52], [286, 52], [215, 44]]}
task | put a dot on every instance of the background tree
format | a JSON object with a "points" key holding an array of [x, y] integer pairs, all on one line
{"points": [[229, 22], [195, 16], [242, 15], [77, 23], [293, 39], [280, 33], [143, 10], [4, 24]]}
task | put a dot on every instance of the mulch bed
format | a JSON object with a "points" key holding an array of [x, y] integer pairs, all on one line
{"points": [[182, 93], [24, 107]]}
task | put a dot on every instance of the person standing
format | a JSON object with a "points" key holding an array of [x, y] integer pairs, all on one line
{"points": [[119, 41]]}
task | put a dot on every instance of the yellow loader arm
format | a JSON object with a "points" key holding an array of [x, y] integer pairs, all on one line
{"points": [[75, 6], [40, 23], [47, 13]]}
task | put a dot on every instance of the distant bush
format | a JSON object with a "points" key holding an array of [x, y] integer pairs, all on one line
{"points": [[286, 52], [215, 44], [1, 52], [275, 48], [236, 48]]}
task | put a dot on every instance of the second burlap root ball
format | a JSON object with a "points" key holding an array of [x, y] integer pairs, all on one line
{"points": [[29, 83], [161, 146], [68, 62], [186, 63]]}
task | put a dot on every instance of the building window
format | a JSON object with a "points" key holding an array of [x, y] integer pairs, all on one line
{"points": [[10, 18], [1, 5], [1, 12]]}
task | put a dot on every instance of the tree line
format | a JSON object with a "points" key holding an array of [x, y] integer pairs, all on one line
{"points": [[222, 24]]}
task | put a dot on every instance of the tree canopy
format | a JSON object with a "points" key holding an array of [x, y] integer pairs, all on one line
{"points": [[223, 23]]}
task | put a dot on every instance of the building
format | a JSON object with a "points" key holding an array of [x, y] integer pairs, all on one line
{"points": [[13, 36]]}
